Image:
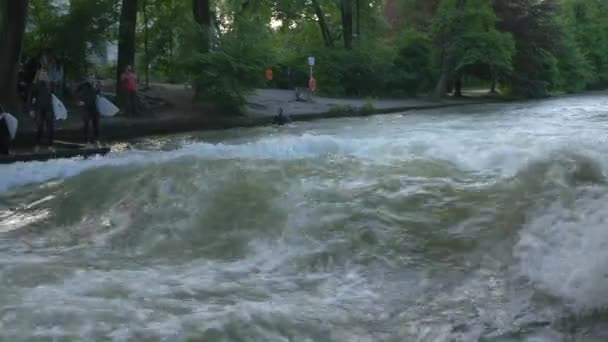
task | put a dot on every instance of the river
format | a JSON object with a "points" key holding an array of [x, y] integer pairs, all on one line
{"points": [[478, 223]]}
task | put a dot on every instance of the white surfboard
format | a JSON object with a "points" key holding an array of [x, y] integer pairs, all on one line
{"points": [[12, 123], [106, 107], [61, 113]]}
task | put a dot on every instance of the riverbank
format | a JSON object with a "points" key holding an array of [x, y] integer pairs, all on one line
{"points": [[181, 114]]}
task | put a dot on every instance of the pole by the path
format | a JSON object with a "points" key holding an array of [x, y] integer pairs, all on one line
{"points": [[311, 81]]}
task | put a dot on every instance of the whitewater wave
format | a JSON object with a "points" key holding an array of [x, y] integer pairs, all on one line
{"points": [[563, 249], [562, 246], [503, 157]]}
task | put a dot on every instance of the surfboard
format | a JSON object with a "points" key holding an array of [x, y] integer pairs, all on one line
{"points": [[12, 124]]}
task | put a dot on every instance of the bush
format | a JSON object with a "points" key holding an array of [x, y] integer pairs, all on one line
{"points": [[412, 66], [541, 81], [575, 71], [229, 73], [106, 71], [359, 72]]}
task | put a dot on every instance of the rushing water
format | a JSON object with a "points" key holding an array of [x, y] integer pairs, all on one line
{"points": [[485, 223]]}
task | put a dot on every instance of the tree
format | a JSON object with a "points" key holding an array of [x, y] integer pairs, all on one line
{"points": [[202, 14], [586, 37], [13, 15], [346, 10], [410, 14], [89, 24], [537, 34], [451, 24], [144, 10], [126, 40], [325, 32], [483, 51]]}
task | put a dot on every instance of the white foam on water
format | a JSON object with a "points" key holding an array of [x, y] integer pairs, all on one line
{"points": [[564, 251], [283, 148], [476, 151], [165, 302]]}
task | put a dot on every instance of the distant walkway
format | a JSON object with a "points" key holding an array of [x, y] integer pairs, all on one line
{"points": [[268, 101]]}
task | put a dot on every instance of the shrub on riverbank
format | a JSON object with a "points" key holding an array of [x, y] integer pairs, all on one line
{"points": [[222, 75]]}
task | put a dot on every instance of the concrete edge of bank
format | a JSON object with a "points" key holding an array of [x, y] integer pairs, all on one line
{"points": [[127, 129]]}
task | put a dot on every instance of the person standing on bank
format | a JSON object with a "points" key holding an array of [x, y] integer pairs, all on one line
{"points": [[87, 92], [129, 87], [42, 105], [56, 77]]}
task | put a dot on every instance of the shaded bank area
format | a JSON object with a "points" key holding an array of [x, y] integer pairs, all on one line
{"points": [[176, 112]]}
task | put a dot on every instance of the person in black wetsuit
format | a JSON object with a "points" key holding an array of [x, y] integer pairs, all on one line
{"points": [[42, 102], [5, 135], [281, 119], [87, 93]]}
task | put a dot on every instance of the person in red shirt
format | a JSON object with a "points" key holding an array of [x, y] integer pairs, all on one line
{"points": [[268, 77], [129, 87]]}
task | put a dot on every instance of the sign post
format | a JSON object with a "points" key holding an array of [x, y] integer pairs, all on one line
{"points": [[312, 84]]}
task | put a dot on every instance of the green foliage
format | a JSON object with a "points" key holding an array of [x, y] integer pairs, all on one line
{"points": [[227, 74], [171, 28], [342, 109], [350, 73], [557, 48], [539, 81], [368, 107], [412, 67], [72, 32], [587, 33], [471, 38], [575, 71], [106, 71], [537, 34]]}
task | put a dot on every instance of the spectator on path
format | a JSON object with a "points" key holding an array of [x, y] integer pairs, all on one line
{"points": [[281, 119], [269, 77], [56, 76], [30, 69], [42, 104], [129, 86], [87, 92]]}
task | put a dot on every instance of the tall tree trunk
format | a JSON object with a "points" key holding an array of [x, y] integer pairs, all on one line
{"points": [[442, 83], [347, 23], [144, 8], [201, 10], [322, 24], [171, 41], [358, 18], [126, 41], [447, 60], [13, 16], [494, 81], [458, 86]]}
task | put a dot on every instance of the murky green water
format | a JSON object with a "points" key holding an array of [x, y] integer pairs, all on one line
{"points": [[470, 224]]}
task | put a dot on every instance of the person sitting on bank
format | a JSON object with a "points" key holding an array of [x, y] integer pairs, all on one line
{"points": [[87, 92], [281, 119], [42, 104], [129, 87], [5, 134]]}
